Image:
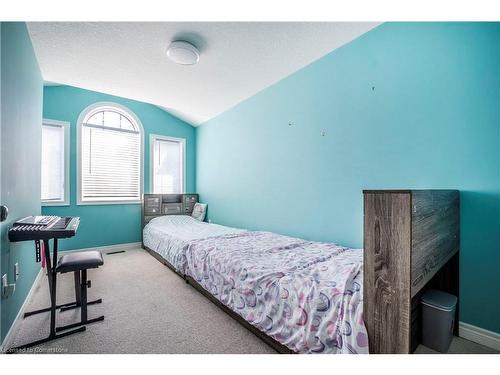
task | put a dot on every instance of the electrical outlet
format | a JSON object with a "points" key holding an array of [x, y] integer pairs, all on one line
{"points": [[16, 271], [7, 289]]}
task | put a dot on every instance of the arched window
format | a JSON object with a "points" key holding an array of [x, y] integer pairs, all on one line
{"points": [[110, 155]]}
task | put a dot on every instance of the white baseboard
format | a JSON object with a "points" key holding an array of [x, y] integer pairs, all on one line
{"points": [[479, 335], [8, 337], [107, 248]]}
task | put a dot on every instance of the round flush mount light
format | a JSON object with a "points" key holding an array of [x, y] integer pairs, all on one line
{"points": [[184, 53]]}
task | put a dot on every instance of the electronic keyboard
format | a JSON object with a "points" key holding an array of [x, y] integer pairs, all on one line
{"points": [[43, 228]]}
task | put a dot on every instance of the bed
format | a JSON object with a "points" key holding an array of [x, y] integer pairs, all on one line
{"points": [[307, 297], [169, 236]]}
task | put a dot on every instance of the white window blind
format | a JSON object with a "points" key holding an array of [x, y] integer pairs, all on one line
{"points": [[167, 165], [53, 163], [110, 157]]}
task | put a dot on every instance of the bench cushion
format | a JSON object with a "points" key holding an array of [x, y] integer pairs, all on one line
{"points": [[79, 261]]}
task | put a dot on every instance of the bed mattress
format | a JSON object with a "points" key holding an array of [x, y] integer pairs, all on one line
{"points": [[306, 295], [170, 236]]}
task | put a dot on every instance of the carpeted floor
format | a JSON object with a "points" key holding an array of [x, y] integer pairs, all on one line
{"points": [[149, 309]]}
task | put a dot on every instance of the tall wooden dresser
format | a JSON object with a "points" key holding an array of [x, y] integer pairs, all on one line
{"points": [[411, 243]]}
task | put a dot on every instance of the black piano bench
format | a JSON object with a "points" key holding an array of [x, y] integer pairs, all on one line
{"points": [[79, 263]]}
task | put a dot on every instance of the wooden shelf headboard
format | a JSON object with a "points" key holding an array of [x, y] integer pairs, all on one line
{"points": [[154, 205], [411, 243]]}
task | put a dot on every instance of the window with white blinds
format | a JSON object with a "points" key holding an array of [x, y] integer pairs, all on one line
{"points": [[167, 164], [110, 157], [55, 163]]}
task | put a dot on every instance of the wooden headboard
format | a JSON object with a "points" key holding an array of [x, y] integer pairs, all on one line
{"points": [[411, 243], [154, 205]]}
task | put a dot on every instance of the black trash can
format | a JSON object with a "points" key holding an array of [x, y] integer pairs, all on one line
{"points": [[438, 319]]}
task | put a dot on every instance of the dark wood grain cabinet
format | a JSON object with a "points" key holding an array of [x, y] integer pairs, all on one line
{"points": [[411, 243]]}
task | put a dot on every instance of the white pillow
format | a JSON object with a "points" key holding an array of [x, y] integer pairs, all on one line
{"points": [[199, 211]]}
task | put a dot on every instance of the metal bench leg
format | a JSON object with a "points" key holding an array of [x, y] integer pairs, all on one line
{"points": [[83, 296], [78, 294], [84, 284], [69, 305]]}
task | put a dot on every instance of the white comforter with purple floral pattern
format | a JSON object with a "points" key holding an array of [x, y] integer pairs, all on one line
{"points": [[306, 295], [169, 236]]}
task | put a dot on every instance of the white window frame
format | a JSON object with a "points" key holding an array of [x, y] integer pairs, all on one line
{"points": [[66, 127], [182, 141], [83, 115]]}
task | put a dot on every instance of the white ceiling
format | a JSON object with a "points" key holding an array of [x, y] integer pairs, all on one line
{"points": [[237, 60]]}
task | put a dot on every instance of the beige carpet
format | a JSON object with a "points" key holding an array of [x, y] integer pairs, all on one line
{"points": [[149, 309]]}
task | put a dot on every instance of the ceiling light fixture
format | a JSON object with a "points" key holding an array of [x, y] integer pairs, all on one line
{"points": [[184, 53]]}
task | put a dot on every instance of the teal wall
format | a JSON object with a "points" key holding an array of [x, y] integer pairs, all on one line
{"points": [[407, 105], [21, 115], [111, 224]]}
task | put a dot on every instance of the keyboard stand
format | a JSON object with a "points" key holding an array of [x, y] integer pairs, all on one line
{"points": [[52, 279]]}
